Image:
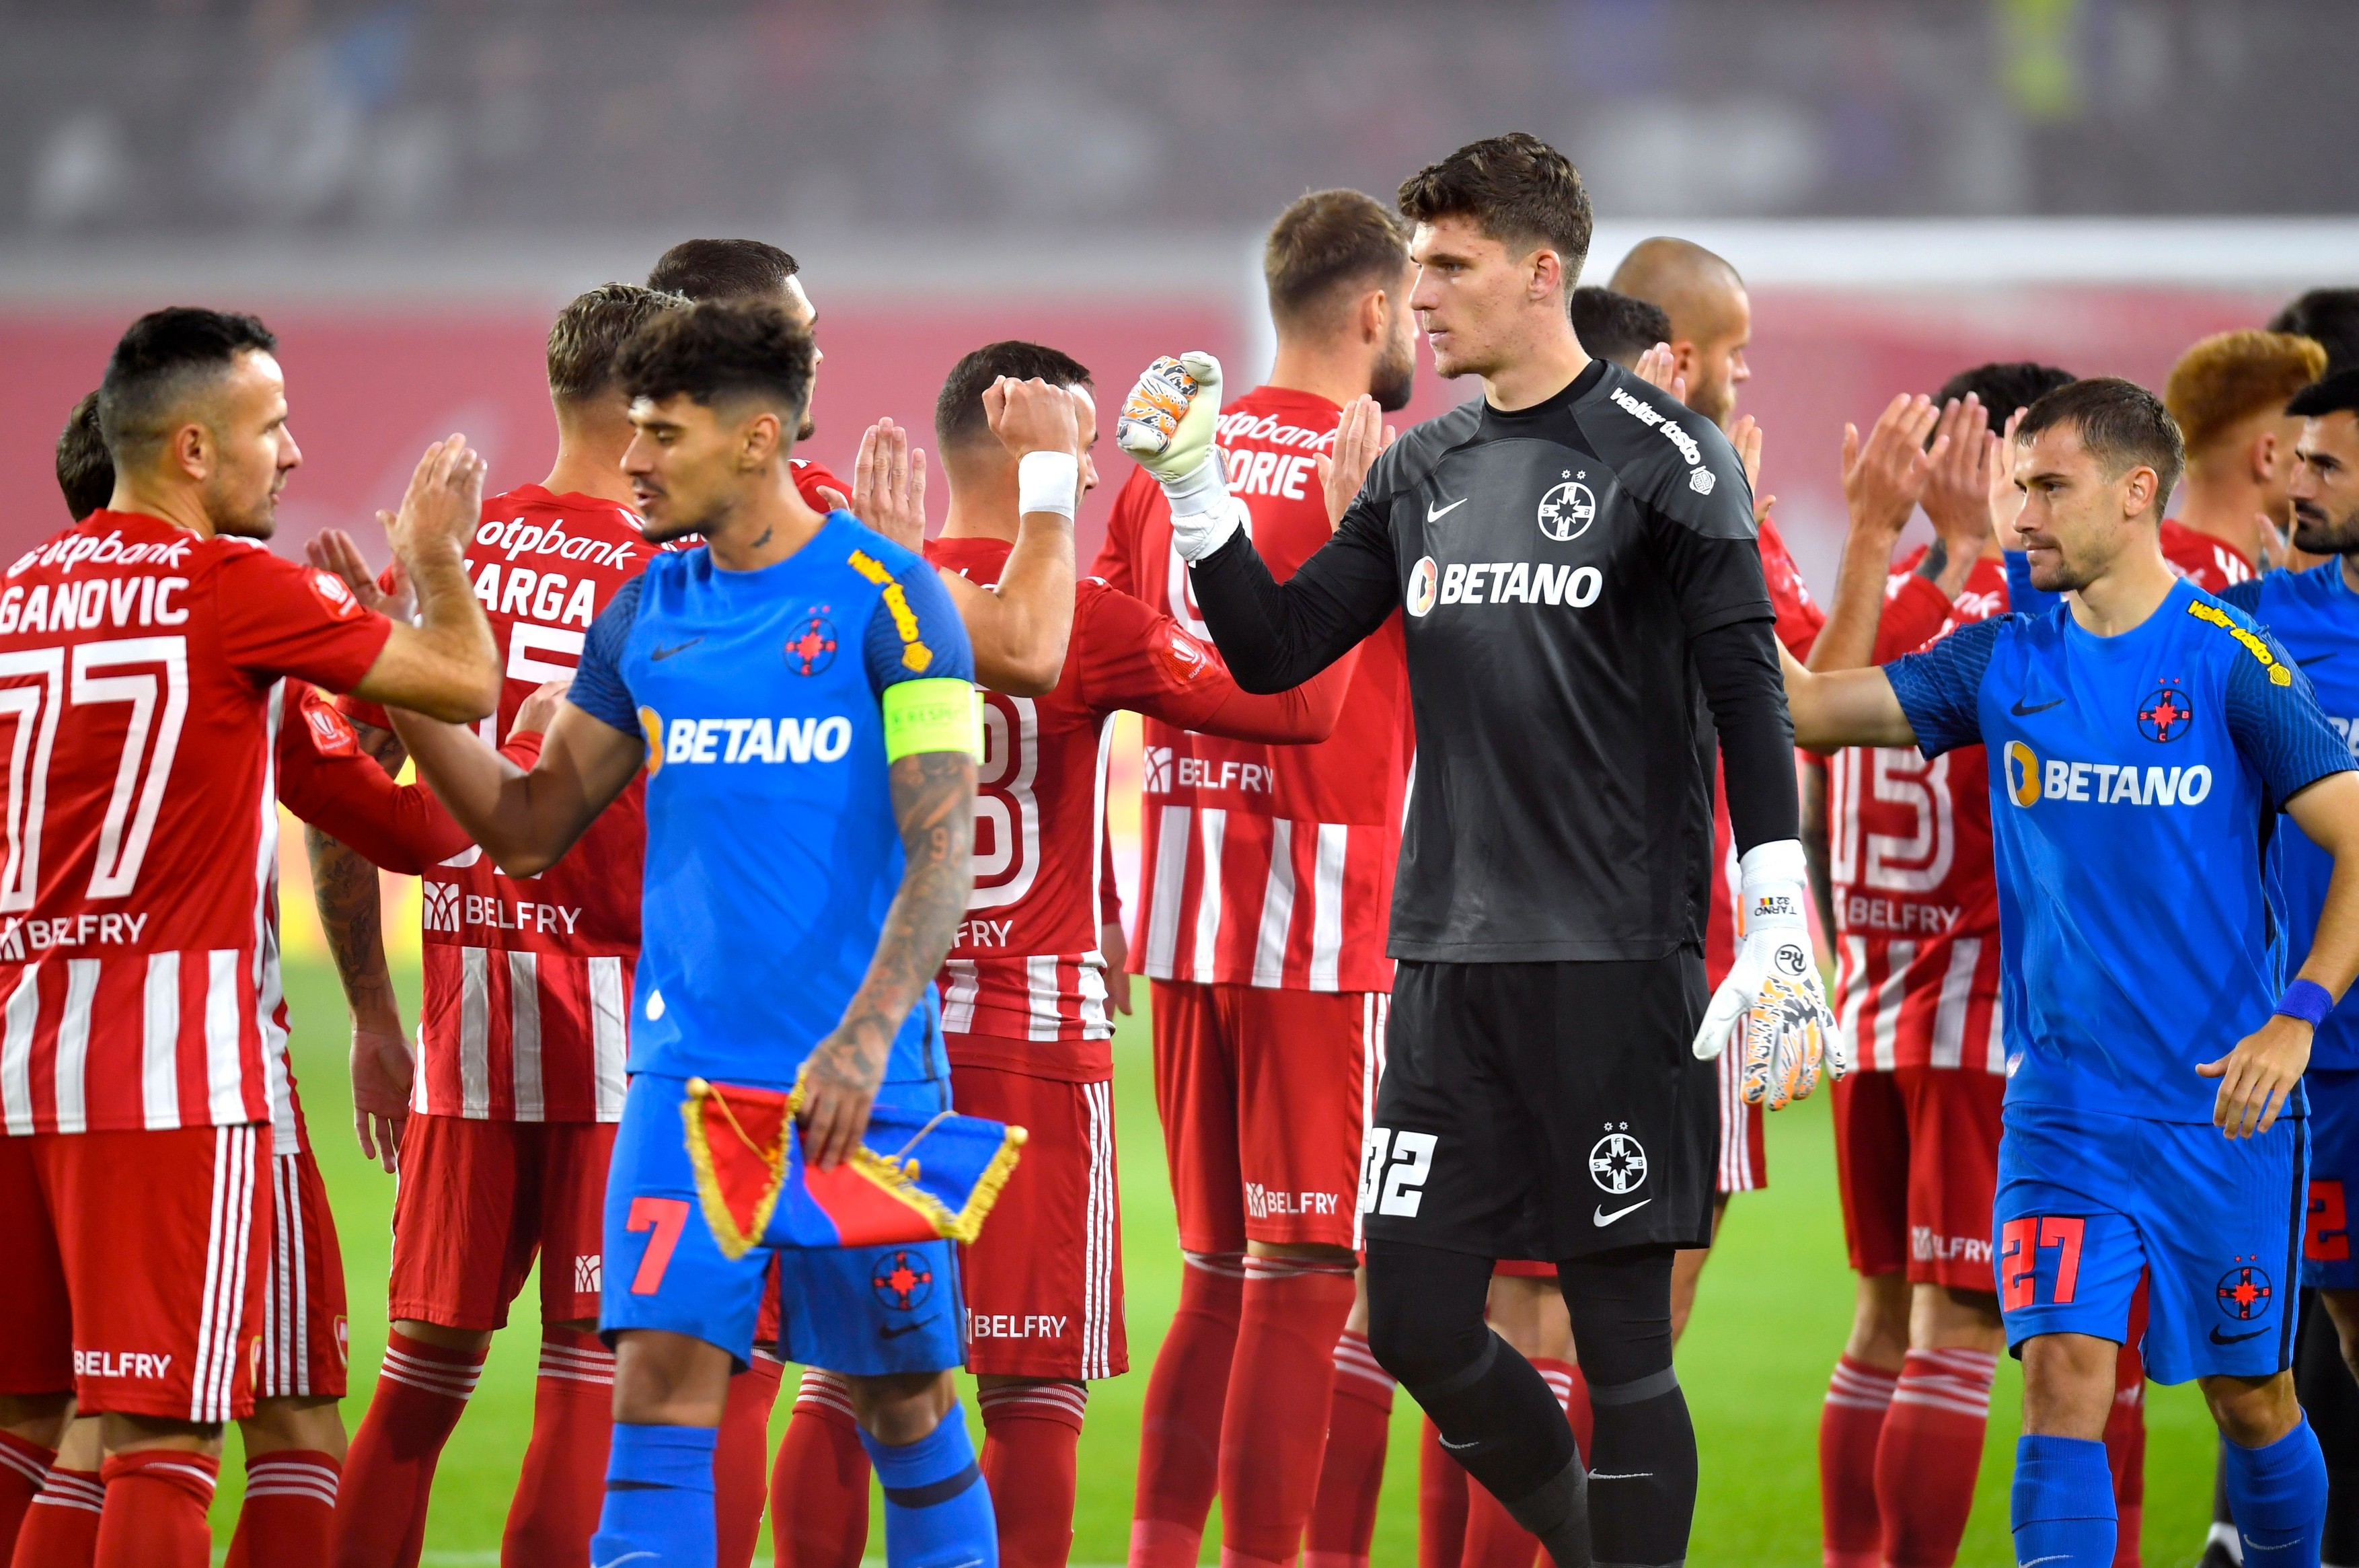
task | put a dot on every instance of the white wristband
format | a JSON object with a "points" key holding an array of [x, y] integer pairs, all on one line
{"points": [[1199, 491], [1047, 482]]}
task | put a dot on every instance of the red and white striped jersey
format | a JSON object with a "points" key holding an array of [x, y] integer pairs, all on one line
{"points": [[1799, 620], [2213, 564], [1266, 864], [140, 670], [1917, 957], [1025, 981]]}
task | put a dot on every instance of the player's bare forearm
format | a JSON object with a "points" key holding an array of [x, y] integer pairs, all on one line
{"points": [[382, 746], [344, 890], [447, 667], [933, 798], [1844, 707], [526, 821], [1848, 639], [1019, 629]]}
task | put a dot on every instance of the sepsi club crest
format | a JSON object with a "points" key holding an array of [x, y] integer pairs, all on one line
{"points": [[902, 1280], [812, 647], [2166, 715]]}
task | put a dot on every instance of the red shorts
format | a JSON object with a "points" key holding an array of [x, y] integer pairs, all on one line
{"points": [[478, 1199], [1264, 1096], [1044, 1281], [1916, 1161], [135, 1269], [306, 1336], [1744, 1147], [1522, 1269]]}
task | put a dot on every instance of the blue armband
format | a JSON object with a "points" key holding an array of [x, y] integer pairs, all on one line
{"points": [[2306, 1000]]}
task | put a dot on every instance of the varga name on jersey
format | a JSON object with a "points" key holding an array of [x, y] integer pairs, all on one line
{"points": [[696, 741], [2030, 780], [1501, 582]]}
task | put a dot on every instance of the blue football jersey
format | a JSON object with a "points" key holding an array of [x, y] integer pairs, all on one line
{"points": [[2135, 781], [2316, 617], [773, 851]]}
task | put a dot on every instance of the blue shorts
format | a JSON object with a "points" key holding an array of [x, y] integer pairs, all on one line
{"points": [[2087, 1200], [865, 1314], [2333, 1179]]}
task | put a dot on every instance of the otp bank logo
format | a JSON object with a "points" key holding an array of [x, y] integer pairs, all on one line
{"points": [[2030, 780]]}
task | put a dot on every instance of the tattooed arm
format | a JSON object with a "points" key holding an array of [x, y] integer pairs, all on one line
{"points": [[933, 797], [345, 888]]}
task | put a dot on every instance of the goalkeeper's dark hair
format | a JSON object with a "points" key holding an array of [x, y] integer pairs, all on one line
{"points": [[720, 351], [1619, 327], [1324, 243], [590, 331], [1517, 189], [2123, 425], [2338, 394], [723, 269], [2003, 387], [162, 359], [85, 473], [959, 416]]}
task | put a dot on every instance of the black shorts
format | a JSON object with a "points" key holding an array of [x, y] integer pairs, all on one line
{"points": [[1544, 1111]]}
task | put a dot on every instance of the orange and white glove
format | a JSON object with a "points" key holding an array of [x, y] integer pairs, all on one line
{"points": [[1167, 424], [1772, 1003]]}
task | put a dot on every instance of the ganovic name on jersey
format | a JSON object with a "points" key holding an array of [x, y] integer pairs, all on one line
{"points": [[757, 740]]}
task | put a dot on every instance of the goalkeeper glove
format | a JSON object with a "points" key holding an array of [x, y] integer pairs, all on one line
{"points": [[1166, 425], [1772, 1002]]}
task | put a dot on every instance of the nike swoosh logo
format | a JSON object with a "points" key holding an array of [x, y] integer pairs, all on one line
{"points": [[886, 1331], [1461, 1447], [1435, 514], [627, 1557], [2019, 711], [2036, 1562], [1620, 1474], [2251, 1545], [2306, 663], [1601, 1218], [662, 653], [2219, 1338]]}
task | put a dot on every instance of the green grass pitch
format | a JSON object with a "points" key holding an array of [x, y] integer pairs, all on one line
{"points": [[1776, 1302]]}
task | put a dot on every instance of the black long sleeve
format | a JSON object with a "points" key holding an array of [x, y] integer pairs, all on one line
{"points": [[1737, 665], [1277, 635]]}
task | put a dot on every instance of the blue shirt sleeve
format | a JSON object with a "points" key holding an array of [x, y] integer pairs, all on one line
{"points": [[2244, 597], [598, 689], [2279, 729], [1940, 688], [2021, 597], [934, 648]]}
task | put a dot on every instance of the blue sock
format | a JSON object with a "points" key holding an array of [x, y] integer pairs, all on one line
{"points": [[2063, 1503], [659, 1511], [2278, 1496], [937, 1509]]}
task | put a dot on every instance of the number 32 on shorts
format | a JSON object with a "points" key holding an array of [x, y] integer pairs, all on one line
{"points": [[1392, 1168]]}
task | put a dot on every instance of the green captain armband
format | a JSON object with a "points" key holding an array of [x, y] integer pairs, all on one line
{"points": [[932, 715]]}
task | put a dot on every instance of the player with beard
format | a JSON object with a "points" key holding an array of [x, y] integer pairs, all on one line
{"points": [[1264, 872], [2316, 615], [2228, 393], [1710, 320], [1586, 609]]}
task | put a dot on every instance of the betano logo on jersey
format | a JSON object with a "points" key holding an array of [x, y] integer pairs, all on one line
{"points": [[742, 740], [1502, 582], [2030, 780]]}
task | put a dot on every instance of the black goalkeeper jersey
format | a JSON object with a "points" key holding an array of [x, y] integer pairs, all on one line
{"points": [[1575, 577]]}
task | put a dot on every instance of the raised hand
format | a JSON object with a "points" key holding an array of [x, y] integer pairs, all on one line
{"points": [[1031, 416], [1658, 366], [888, 485], [1883, 476], [539, 710], [1745, 436], [1360, 435], [332, 550], [444, 503], [2005, 500]]}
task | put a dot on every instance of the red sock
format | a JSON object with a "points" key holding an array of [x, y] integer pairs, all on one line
{"points": [[1441, 1489], [61, 1530], [1180, 1430], [421, 1391], [155, 1512], [1030, 1435], [1344, 1518], [22, 1467], [1930, 1452], [741, 1461], [1571, 1391], [562, 1484], [289, 1511], [1850, 1423], [819, 1487], [2126, 1441], [1273, 1427]]}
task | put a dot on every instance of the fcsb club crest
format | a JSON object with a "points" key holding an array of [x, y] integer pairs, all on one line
{"points": [[1617, 1162], [1567, 510], [2166, 715], [442, 913], [2244, 1292], [902, 1280], [812, 647]]}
